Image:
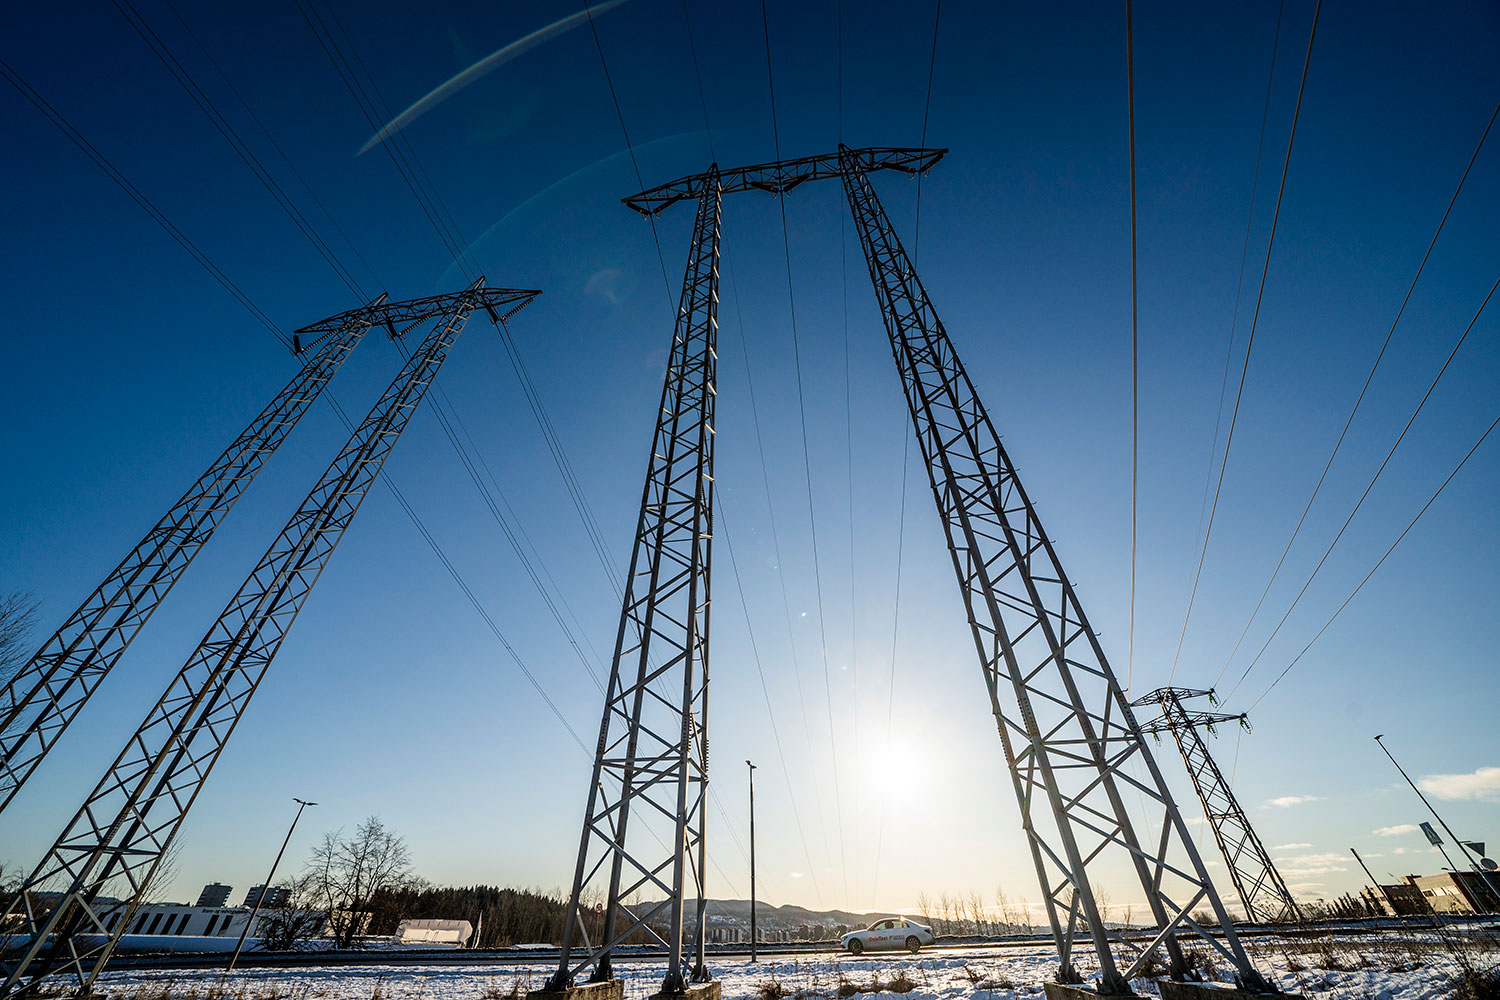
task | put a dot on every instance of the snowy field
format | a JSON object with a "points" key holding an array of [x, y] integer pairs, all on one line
{"points": [[1355, 968]]}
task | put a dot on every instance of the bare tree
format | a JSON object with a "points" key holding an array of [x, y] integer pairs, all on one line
{"points": [[348, 874], [164, 874], [289, 926], [18, 611]]}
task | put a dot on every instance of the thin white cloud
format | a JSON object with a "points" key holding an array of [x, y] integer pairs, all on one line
{"points": [[1395, 831], [1304, 865], [1374, 854], [1482, 783], [1292, 800], [1290, 847]]}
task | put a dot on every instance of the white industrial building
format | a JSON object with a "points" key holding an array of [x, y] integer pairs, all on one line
{"points": [[179, 927], [454, 933]]}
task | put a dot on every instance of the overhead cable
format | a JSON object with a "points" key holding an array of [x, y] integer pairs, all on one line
{"points": [[1250, 341]]}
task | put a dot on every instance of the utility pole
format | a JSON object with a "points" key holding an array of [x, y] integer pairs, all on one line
{"points": [[1485, 877], [266, 886], [752, 860]]}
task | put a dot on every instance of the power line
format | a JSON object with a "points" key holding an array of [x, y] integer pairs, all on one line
{"points": [[1370, 486], [136, 195], [786, 771], [629, 147], [471, 467], [489, 622], [1378, 562], [937, 15], [242, 149], [419, 183], [367, 108], [274, 144], [760, 448], [1135, 362], [698, 75], [1250, 342], [1362, 391], [1260, 146], [806, 455], [890, 707], [765, 479]]}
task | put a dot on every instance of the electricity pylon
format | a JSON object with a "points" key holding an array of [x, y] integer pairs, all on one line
{"points": [[1070, 738], [126, 824], [653, 744], [1261, 888], [40, 701]]}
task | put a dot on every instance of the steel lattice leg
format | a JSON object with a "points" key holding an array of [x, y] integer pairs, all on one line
{"points": [[653, 744], [129, 820], [1067, 730], [44, 697]]}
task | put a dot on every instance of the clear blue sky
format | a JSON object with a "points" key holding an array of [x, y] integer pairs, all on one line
{"points": [[130, 369]]}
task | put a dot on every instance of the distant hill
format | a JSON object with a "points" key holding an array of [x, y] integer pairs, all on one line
{"points": [[789, 915]]}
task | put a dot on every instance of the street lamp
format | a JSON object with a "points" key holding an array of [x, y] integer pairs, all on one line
{"points": [[266, 887], [752, 859], [1485, 878]]}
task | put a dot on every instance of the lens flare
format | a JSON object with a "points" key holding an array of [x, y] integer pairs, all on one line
{"points": [[488, 64]]}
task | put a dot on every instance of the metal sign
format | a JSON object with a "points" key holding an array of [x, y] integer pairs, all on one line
{"points": [[1432, 837]]}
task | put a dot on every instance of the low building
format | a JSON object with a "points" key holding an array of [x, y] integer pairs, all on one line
{"points": [[1458, 892], [215, 894], [1399, 900], [437, 933]]}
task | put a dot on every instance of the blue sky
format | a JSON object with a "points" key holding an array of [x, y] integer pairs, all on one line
{"points": [[131, 369]]}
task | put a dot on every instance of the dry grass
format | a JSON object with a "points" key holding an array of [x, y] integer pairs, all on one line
{"points": [[1477, 984], [986, 981], [771, 989]]}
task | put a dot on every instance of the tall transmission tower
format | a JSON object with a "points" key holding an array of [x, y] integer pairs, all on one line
{"points": [[1261, 888], [653, 741], [127, 823], [1070, 737], [49, 691], [651, 763]]}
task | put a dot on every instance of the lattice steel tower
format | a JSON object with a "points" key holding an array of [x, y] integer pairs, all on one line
{"points": [[1070, 738], [1261, 888], [126, 824], [46, 695], [651, 768]]}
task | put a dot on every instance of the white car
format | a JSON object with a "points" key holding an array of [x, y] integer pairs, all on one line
{"points": [[888, 934]]}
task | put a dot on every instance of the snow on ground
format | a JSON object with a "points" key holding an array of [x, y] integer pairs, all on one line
{"points": [[992, 975]]}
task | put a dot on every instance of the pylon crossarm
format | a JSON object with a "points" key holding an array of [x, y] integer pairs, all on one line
{"points": [[412, 311], [782, 176]]}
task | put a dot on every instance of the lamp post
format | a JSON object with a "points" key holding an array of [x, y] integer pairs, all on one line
{"points": [[266, 886], [752, 859], [1484, 877]]}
